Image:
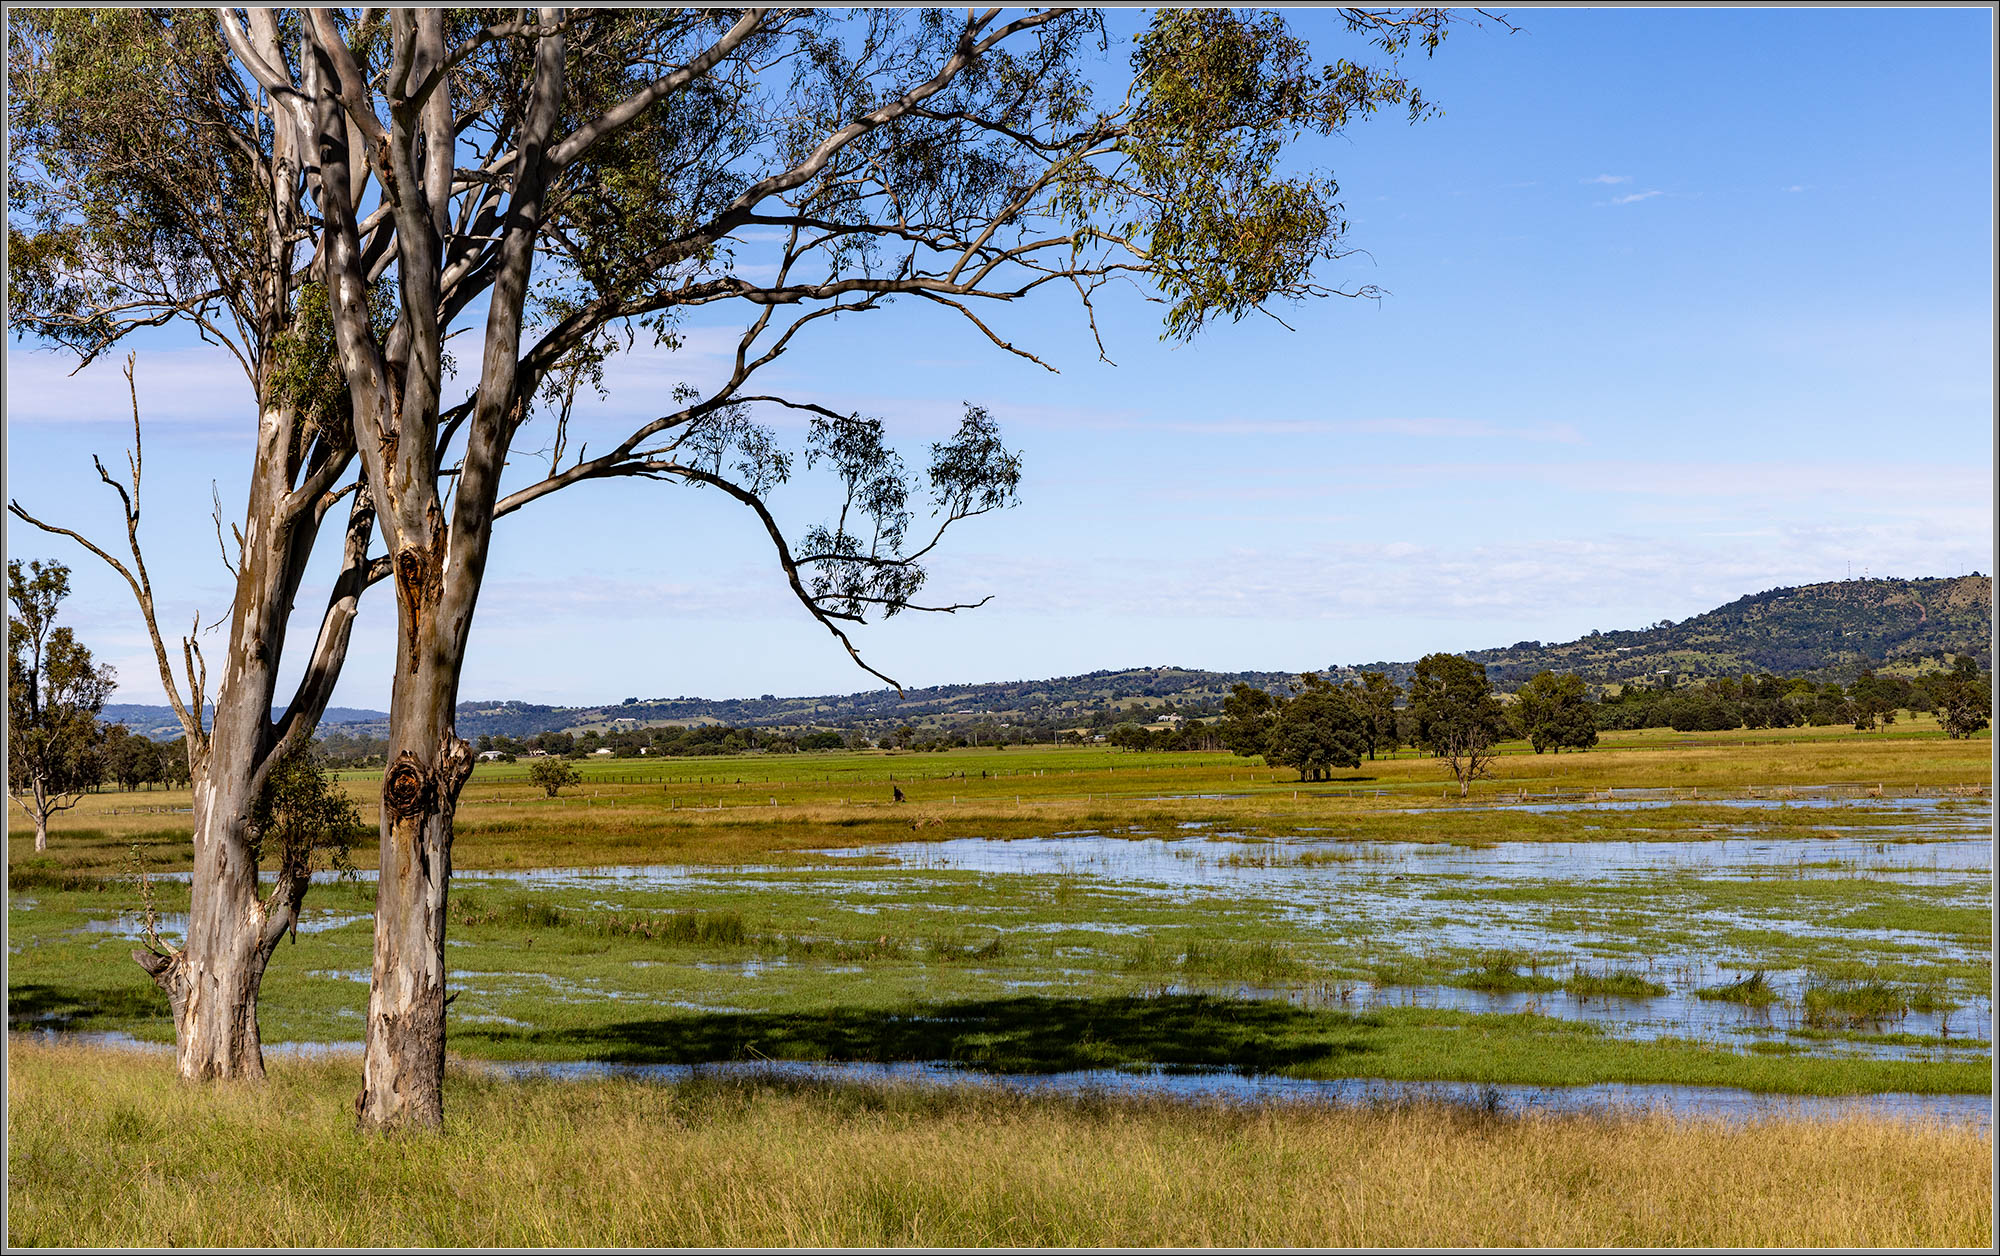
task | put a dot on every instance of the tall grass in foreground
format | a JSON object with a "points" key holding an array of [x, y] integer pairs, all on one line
{"points": [[104, 1148]]}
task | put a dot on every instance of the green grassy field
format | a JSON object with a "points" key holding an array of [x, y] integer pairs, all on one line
{"points": [[744, 808]]}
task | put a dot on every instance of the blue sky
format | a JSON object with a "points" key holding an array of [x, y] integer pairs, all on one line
{"points": [[1683, 304]]}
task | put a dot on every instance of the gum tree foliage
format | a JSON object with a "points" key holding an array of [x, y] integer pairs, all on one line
{"points": [[1248, 715], [557, 186], [1378, 696], [1456, 715], [55, 749], [1555, 713]]}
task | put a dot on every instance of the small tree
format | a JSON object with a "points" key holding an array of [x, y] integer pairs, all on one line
{"points": [[553, 773], [130, 759], [1962, 698], [1457, 717], [54, 692], [1554, 713]]}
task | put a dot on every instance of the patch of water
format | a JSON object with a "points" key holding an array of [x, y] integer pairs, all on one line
{"points": [[748, 967], [132, 924], [1230, 1086], [1222, 1085], [1225, 859], [1679, 1013]]}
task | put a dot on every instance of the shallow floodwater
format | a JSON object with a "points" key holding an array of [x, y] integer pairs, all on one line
{"points": [[1230, 1086], [1432, 895], [1410, 897]]}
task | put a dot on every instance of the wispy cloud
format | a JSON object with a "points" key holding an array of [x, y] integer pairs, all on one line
{"points": [[1418, 427], [1798, 187], [193, 385], [1607, 178], [1634, 198]]}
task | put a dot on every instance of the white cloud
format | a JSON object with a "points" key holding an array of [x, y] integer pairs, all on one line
{"points": [[1608, 178], [1635, 197], [192, 385], [1546, 580]]}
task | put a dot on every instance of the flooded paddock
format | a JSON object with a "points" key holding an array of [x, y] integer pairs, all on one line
{"points": [[1865, 923]]}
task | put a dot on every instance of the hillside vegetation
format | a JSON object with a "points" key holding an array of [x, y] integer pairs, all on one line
{"points": [[1825, 631], [1829, 631]]}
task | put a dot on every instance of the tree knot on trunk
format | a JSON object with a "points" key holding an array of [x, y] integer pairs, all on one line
{"points": [[407, 790], [418, 585], [454, 767]]}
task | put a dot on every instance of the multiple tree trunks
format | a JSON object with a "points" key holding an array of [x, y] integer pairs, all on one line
{"points": [[905, 159]]}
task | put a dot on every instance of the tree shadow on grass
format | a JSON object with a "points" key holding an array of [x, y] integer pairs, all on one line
{"points": [[35, 1006], [1011, 1035]]}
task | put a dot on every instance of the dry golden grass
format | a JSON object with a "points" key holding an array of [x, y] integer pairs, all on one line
{"points": [[104, 1148]]}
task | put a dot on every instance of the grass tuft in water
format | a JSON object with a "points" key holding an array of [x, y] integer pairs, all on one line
{"points": [[1621, 983], [1499, 972], [1832, 1005], [1752, 991]]}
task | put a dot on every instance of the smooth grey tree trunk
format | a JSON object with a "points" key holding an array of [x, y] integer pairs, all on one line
{"points": [[403, 1059], [212, 981]]}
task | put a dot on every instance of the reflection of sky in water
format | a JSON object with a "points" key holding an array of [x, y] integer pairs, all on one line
{"points": [[173, 925], [1413, 898], [1218, 1085]]}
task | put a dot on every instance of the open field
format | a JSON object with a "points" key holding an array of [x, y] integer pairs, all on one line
{"points": [[104, 1149], [1345, 936], [750, 808], [1798, 942]]}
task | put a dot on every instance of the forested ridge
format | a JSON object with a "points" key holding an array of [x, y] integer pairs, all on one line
{"points": [[1824, 631]]}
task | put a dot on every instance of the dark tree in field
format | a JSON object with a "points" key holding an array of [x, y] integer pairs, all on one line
{"points": [[1457, 717], [54, 692], [1322, 727], [130, 759], [347, 189], [1378, 695], [551, 774], [1961, 697], [1248, 714], [1555, 713], [1874, 699]]}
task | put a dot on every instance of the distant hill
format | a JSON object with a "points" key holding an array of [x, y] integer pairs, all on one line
{"points": [[1064, 700], [161, 724], [1830, 631]]}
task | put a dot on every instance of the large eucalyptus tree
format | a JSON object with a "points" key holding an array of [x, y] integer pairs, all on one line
{"points": [[555, 184], [147, 186]]}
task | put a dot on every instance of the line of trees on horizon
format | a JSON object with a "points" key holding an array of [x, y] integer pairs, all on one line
{"points": [[1313, 727]]}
